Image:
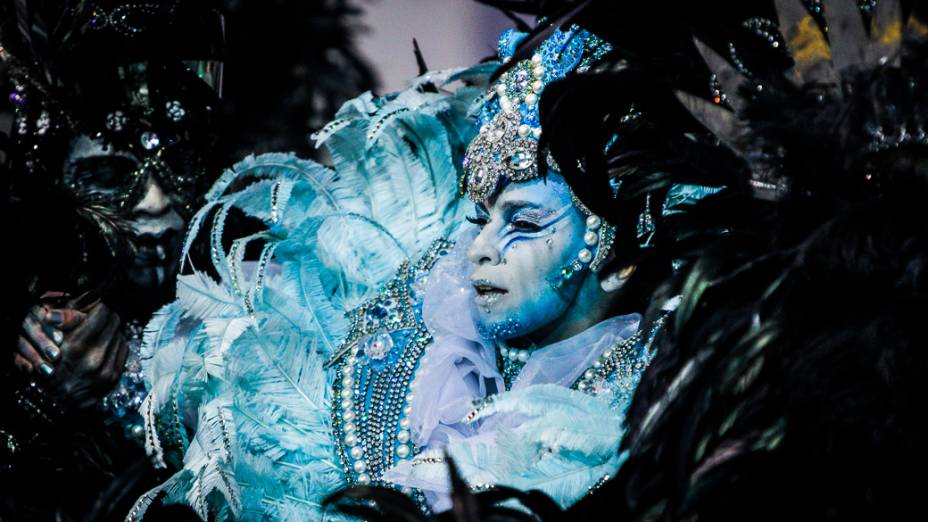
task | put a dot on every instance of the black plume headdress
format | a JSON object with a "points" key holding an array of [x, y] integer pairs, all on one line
{"points": [[789, 383]]}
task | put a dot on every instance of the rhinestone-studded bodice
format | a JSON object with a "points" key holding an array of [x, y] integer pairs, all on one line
{"points": [[373, 370], [618, 370]]}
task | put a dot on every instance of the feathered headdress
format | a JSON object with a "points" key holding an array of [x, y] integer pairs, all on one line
{"points": [[792, 370], [143, 79]]}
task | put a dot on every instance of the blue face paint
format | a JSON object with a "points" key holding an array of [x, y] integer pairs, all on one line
{"points": [[531, 225], [528, 233]]}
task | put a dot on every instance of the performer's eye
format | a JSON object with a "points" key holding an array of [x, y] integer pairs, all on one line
{"points": [[480, 221], [525, 225], [529, 220], [102, 172]]}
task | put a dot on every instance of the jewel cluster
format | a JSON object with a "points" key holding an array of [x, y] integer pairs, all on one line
{"points": [[597, 233], [600, 236], [513, 360], [123, 401], [764, 29], [503, 146], [374, 368], [882, 138], [621, 360], [619, 368], [128, 20]]}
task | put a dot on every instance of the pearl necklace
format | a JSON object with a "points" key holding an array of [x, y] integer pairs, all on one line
{"points": [[512, 360]]}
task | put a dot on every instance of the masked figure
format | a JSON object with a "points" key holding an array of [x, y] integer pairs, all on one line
{"points": [[114, 110], [345, 342]]}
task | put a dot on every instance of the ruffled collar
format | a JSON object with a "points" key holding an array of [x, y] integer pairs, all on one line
{"points": [[448, 294], [565, 361], [461, 367]]}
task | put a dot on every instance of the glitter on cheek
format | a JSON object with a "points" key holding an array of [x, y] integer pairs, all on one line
{"points": [[531, 302], [499, 330]]}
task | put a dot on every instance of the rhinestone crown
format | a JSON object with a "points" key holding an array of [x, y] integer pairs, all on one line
{"points": [[507, 142]]}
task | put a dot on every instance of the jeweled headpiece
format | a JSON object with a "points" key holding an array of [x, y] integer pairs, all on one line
{"points": [[507, 143], [506, 146]]}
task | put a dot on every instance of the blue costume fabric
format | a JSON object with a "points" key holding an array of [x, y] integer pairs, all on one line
{"points": [[333, 347], [240, 359]]}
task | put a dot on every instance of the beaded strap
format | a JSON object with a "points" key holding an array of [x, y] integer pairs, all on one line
{"points": [[624, 362], [373, 370]]}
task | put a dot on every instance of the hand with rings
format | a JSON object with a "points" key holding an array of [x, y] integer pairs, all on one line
{"points": [[80, 352]]}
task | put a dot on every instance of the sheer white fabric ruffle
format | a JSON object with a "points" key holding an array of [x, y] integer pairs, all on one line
{"points": [[461, 367]]}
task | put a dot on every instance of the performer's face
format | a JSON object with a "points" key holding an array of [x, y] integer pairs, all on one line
{"points": [[529, 232], [157, 227]]}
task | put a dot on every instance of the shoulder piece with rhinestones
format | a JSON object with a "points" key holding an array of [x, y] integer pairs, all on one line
{"points": [[373, 372]]}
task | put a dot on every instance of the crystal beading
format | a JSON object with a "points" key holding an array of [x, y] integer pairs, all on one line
{"points": [[507, 144], [618, 369], [372, 385]]}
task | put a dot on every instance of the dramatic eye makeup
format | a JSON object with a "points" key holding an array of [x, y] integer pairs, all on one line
{"points": [[480, 218], [529, 223], [529, 220], [519, 221]]}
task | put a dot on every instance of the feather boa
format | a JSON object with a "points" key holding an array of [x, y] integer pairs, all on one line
{"points": [[239, 361], [550, 438]]}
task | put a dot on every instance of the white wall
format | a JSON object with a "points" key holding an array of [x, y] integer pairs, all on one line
{"points": [[451, 33]]}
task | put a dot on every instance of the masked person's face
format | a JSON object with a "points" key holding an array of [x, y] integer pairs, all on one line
{"points": [[529, 232], [112, 178]]}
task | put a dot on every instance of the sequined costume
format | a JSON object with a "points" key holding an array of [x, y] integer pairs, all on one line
{"points": [[242, 360], [337, 346]]}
